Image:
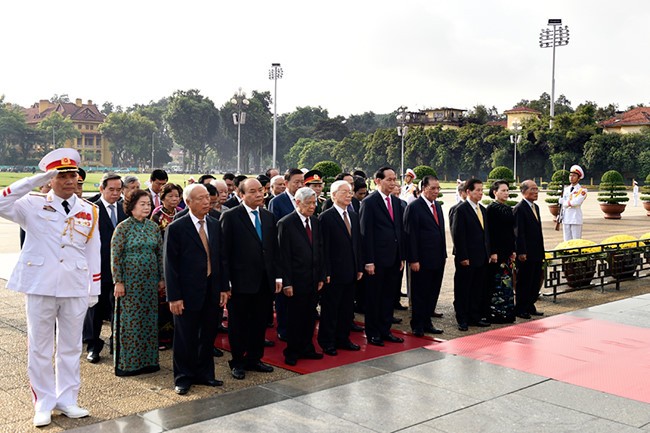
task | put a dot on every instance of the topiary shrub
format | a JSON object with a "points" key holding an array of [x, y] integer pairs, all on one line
{"points": [[559, 180], [501, 173], [645, 189], [612, 188], [328, 168], [424, 170]]}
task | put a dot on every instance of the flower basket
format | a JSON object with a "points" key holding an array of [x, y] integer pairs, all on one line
{"points": [[578, 261], [623, 257], [645, 246]]}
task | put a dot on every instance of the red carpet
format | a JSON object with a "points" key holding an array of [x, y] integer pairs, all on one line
{"points": [[595, 354], [274, 356]]}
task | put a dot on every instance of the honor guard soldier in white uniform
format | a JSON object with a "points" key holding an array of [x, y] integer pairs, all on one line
{"points": [[59, 272], [571, 201], [407, 191]]}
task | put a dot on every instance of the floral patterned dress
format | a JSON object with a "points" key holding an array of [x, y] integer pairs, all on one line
{"points": [[136, 260]]}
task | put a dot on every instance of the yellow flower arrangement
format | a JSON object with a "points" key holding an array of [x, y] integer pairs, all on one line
{"points": [[579, 245], [644, 237], [620, 240]]}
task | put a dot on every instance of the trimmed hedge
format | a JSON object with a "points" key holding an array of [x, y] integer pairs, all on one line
{"points": [[559, 180], [612, 188], [328, 168]]}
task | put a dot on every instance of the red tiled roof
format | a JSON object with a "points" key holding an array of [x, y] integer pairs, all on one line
{"points": [[83, 113], [636, 116], [502, 123], [521, 109]]}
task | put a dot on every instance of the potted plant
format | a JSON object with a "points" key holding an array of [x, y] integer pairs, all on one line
{"points": [[502, 173], [554, 191], [612, 195], [646, 246], [645, 198], [578, 260], [623, 255]]}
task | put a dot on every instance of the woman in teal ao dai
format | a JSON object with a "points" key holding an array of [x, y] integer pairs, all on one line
{"points": [[137, 266]]}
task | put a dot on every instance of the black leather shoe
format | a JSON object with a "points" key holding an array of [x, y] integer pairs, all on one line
{"points": [[433, 330], [393, 339], [481, 324], [259, 366], [212, 382], [290, 360], [437, 315], [396, 320], [400, 307], [376, 341], [356, 328], [312, 355], [348, 345], [417, 333], [93, 357], [331, 351], [218, 353], [181, 390], [523, 315], [537, 313], [463, 327], [268, 343], [238, 373]]}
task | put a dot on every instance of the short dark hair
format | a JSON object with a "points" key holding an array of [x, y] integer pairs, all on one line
{"points": [[212, 190], [496, 185], [131, 199], [239, 179], [360, 173], [427, 179], [111, 176], [263, 179], [359, 183], [469, 184], [292, 172], [379, 174], [158, 174], [268, 172], [169, 187], [341, 176], [228, 176], [204, 177]]}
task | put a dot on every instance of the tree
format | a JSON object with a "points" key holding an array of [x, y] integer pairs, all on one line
{"points": [[162, 142], [315, 151], [107, 108], [58, 129], [17, 139], [365, 122], [60, 99], [192, 121], [480, 114], [130, 137], [331, 129], [349, 151]]}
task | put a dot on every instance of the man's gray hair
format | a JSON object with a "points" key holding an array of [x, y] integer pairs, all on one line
{"points": [[219, 183], [525, 185], [276, 178], [336, 185], [304, 193], [188, 190], [128, 180]]}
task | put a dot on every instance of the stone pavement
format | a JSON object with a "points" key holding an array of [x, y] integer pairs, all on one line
{"points": [[344, 398]]}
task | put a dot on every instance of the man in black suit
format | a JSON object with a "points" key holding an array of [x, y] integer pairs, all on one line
{"points": [[111, 213], [382, 237], [343, 264], [426, 253], [462, 194], [471, 246], [529, 246], [236, 199], [303, 274], [355, 203], [196, 286], [251, 257]]}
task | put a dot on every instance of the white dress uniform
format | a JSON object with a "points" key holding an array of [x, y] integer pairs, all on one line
{"points": [[407, 192], [59, 271], [572, 198]]}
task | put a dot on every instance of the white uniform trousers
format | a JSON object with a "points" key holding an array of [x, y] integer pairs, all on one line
{"points": [[58, 386], [572, 231]]}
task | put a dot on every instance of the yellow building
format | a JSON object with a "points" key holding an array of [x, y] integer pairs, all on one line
{"points": [[449, 118], [92, 146], [627, 123], [519, 114]]}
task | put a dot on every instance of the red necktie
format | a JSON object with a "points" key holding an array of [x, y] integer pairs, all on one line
{"points": [[390, 208], [435, 213], [308, 230]]}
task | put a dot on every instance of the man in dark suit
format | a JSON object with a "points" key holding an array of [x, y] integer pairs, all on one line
{"points": [[251, 258], [355, 203], [460, 189], [236, 199], [196, 286], [382, 237], [426, 253], [344, 266], [529, 246], [111, 213], [471, 246], [303, 274], [281, 206]]}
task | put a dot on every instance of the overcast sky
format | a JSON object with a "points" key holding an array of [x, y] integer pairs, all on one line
{"points": [[348, 56]]}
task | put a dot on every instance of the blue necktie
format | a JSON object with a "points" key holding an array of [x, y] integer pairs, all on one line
{"points": [[258, 223], [113, 217]]}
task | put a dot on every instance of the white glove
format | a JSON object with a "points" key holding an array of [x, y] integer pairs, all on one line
{"points": [[92, 301]]}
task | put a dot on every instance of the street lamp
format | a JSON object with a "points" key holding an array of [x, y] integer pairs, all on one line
{"points": [[239, 118], [152, 165], [274, 74], [557, 37], [402, 118], [515, 139]]}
